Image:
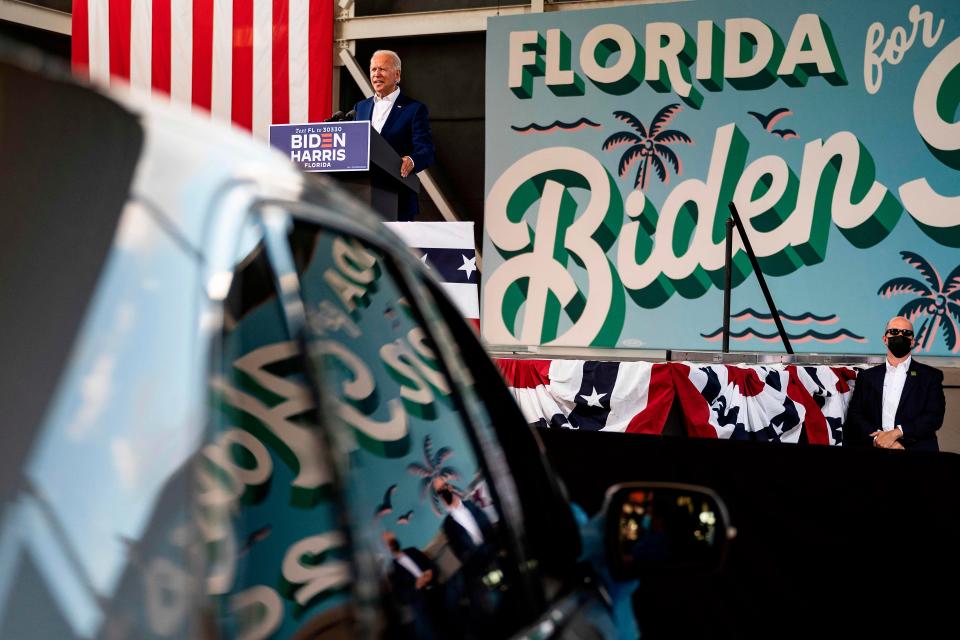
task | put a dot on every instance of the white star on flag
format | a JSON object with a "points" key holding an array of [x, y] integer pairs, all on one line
{"points": [[469, 266], [593, 400], [443, 242]]}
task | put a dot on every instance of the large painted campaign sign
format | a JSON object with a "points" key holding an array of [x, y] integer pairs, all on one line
{"points": [[616, 139]]}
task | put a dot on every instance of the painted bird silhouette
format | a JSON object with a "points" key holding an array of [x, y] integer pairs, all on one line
{"points": [[771, 119], [405, 518], [254, 538], [386, 506]]}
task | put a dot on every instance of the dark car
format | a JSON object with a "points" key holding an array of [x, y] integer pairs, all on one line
{"points": [[236, 405]]}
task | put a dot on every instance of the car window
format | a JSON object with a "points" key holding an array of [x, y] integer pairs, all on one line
{"points": [[97, 492], [417, 492], [276, 556], [552, 534]]}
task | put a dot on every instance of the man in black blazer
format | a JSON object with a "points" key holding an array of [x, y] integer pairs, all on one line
{"points": [[402, 121], [472, 545], [413, 583], [472, 539], [899, 404]]}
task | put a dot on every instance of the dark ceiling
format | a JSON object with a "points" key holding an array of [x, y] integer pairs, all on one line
{"points": [[385, 7], [56, 44]]}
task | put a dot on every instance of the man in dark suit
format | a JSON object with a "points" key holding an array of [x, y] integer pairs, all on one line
{"points": [[413, 583], [899, 404], [472, 539], [402, 121], [467, 528]]}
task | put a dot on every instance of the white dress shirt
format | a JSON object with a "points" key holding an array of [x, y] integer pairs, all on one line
{"points": [[381, 109], [407, 563], [466, 520], [893, 381]]}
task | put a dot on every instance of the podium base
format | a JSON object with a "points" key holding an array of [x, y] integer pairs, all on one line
{"points": [[377, 193]]}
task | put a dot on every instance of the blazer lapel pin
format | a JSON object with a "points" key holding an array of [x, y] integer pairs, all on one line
{"points": [[913, 374]]}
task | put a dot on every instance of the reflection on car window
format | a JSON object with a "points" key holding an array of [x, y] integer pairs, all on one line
{"points": [[119, 430], [276, 556], [417, 495]]}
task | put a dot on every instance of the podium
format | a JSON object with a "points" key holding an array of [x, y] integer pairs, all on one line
{"points": [[380, 187]]}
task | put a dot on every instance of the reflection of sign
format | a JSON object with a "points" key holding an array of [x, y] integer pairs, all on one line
{"points": [[324, 146], [616, 139]]}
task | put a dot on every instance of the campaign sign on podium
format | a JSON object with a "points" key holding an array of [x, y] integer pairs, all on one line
{"points": [[325, 146]]}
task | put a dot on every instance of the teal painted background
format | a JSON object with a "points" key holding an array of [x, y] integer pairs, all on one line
{"points": [[832, 304]]}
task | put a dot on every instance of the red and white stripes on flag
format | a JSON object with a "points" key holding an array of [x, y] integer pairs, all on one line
{"points": [[250, 62]]}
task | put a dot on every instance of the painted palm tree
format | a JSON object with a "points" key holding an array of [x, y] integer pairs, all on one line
{"points": [[938, 301], [650, 146], [432, 469]]}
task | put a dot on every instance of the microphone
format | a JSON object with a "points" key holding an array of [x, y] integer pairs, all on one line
{"points": [[351, 115], [336, 117]]}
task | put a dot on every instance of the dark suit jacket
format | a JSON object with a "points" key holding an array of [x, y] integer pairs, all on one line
{"points": [[407, 129], [461, 544], [402, 582], [919, 414]]}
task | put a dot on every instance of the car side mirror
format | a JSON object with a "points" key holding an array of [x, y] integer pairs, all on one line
{"points": [[659, 527]]}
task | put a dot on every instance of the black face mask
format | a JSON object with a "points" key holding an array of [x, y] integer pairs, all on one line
{"points": [[446, 495], [899, 346]]}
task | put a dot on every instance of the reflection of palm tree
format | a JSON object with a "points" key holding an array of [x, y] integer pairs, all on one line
{"points": [[939, 302], [432, 469], [650, 145]]}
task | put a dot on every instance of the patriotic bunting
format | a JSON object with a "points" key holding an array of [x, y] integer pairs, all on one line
{"points": [[608, 396], [758, 403]]}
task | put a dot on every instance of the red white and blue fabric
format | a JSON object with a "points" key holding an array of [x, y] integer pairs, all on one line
{"points": [[609, 396], [758, 403], [249, 62], [447, 249]]}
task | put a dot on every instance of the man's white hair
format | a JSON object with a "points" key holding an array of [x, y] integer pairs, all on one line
{"points": [[391, 54]]}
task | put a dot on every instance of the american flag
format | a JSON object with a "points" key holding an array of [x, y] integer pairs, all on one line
{"points": [[447, 248], [250, 62], [757, 403]]}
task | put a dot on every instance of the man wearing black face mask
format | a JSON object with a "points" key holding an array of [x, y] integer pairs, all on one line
{"points": [[467, 528], [899, 404], [472, 540]]}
